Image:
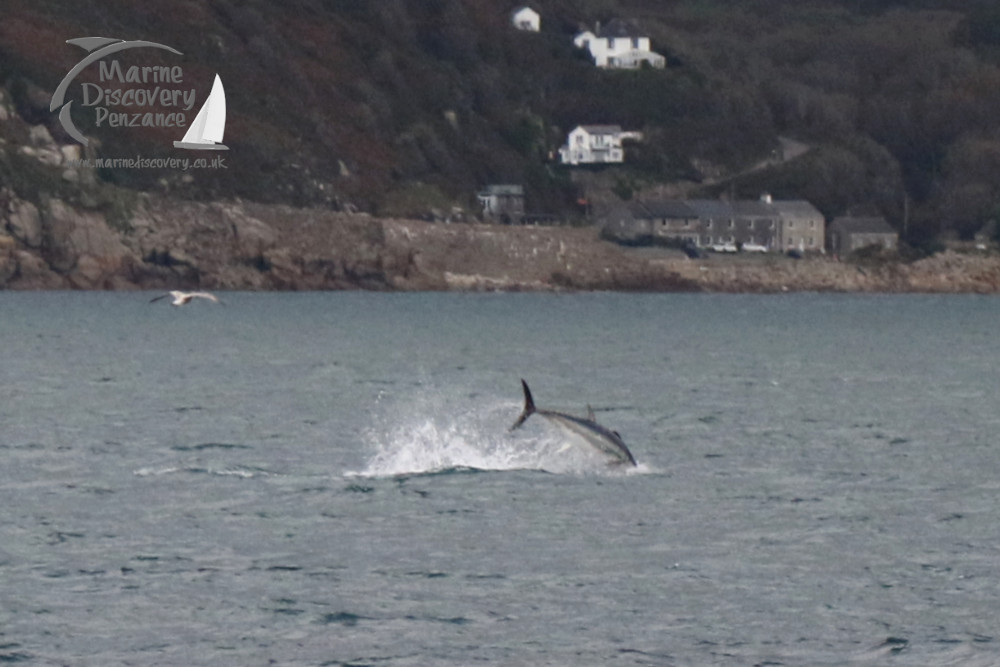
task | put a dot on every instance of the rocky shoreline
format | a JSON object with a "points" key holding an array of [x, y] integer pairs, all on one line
{"points": [[167, 243]]}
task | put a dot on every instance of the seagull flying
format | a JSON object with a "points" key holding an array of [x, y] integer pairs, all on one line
{"points": [[184, 298]]}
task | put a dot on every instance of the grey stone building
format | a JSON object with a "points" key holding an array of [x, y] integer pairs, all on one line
{"points": [[847, 234], [502, 203], [802, 227], [763, 225]]}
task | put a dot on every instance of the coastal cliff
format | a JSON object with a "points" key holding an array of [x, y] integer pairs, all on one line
{"points": [[61, 227], [160, 243]]}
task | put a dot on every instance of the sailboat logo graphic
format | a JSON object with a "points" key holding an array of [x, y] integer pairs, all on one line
{"points": [[208, 126]]}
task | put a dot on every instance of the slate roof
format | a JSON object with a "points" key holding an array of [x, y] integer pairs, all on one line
{"points": [[663, 208], [796, 208], [501, 189], [602, 129], [720, 209], [754, 208], [868, 225], [712, 209]]}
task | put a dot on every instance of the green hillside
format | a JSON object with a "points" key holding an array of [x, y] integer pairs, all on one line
{"points": [[399, 106]]}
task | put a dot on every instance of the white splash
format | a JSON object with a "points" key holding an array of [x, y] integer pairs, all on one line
{"points": [[478, 438]]}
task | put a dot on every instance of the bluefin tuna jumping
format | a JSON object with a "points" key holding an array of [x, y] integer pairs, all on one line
{"points": [[600, 438]]}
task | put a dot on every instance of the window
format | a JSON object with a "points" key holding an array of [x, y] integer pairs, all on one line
{"points": [[635, 43]]}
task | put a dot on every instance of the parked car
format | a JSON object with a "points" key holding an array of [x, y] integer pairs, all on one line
{"points": [[754, 247], [724, 247], [691, 250]]}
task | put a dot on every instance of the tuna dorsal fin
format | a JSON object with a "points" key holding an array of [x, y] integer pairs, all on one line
{"points": [[529, 401], [529, 406]]}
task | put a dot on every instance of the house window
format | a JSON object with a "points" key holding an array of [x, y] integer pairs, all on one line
{"points": [[791, 224], [611, 43], [635, 43], [708, 224], [731, 223]]}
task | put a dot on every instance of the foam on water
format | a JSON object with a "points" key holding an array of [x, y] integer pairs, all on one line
{"points": [[429, 439], [243, 472]]}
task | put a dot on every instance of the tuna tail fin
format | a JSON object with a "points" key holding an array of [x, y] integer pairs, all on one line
{"points": [[529, 406]]}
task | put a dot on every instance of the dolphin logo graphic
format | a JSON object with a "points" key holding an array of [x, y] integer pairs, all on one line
{"points": [[99, 48], [597, 436]]}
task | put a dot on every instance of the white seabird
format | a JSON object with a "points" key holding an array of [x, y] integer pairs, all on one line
{"points": [[184, 298]]}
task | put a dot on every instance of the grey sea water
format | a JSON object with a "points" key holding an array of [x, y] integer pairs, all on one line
{"points": [[328, 479]]}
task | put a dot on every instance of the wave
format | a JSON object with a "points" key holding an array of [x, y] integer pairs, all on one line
{"points": [[236, 471]]}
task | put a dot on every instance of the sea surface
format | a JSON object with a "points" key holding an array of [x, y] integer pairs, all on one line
{"points": [[329, 479]]}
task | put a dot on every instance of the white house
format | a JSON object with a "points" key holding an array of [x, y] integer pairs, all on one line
{"points": [[596, 144], [619, 45], [526, 18]]}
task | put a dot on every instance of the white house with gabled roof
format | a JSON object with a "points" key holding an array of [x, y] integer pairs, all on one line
{"points": [[619, 45], [526, 18], [596, 144]]}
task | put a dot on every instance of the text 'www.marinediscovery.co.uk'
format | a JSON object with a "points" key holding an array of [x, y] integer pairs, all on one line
{"points": [[183, 164]]}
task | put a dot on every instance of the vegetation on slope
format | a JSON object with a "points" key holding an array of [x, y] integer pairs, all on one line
{"points": [[402, 104]]}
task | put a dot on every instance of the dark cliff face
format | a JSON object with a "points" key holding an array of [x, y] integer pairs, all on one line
{"points": [[329, 102]]}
